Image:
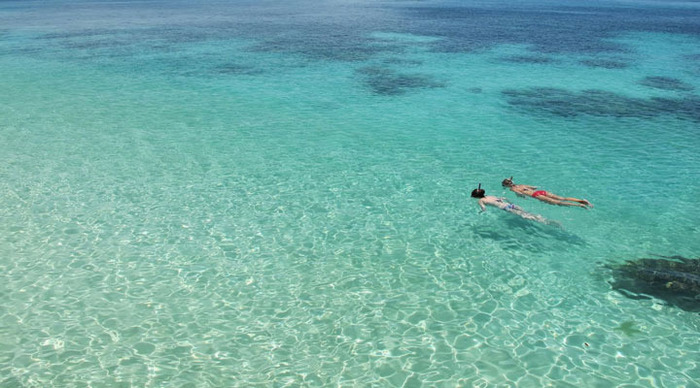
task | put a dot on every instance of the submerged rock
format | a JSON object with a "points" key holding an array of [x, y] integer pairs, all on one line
{"points": [[676, 280]]}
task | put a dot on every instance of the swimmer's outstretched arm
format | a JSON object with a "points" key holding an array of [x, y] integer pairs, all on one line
{"points": [[482, 205]]}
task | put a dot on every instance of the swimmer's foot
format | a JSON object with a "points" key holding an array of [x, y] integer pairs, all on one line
{"points": [[586, 203]]}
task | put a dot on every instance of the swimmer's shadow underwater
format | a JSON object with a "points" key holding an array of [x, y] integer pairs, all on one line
{"points": [[521, 231], [675, 280]]}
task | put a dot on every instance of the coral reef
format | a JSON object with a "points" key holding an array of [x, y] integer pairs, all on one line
{"points": [[676, 280]]}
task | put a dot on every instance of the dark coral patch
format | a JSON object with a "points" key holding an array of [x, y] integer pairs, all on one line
{"points": [[532, 59], [236, 69], [402, 62], [329, 46], [676, 280], [388, 82], [566, 103], [604, 63], [666, 83]]}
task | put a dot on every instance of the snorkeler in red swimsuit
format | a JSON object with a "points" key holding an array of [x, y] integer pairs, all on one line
{"points": [[538, 193], [544, 196]]}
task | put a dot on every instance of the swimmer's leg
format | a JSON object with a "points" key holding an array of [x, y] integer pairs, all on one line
{"points": [[560, 200]]}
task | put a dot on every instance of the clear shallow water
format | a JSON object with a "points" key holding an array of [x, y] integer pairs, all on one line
{"points": [[266, 195]]}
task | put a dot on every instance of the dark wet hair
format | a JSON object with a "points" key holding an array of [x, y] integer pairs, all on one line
{"points": [[507, 182], [478, 193]]}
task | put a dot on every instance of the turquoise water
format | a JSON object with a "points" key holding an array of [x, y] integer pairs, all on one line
{"points": [[256, 194]]}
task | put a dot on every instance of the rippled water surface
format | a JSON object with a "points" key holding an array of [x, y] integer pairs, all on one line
{"points": [[251, 193]]}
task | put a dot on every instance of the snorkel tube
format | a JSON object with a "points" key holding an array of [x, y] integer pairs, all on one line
{"points": [[478, 192]]}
